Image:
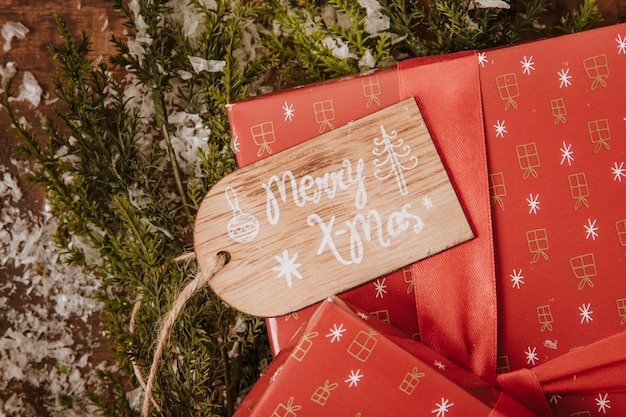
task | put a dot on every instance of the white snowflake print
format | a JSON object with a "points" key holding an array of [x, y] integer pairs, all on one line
{"points": [[591, 229], [517, 278], [336, 333], [362, 315], [440, 365], [618, 172], [442, 407], [567, 154], [275, 375], [235, 144], [585, 313], [482, 59], [554, 399], [500, 128], [380, 287], [531, 355], [288, 111], [603, 403], [354, 378], [564, 78], [527, 65], [288, 267], [621, 44], [427, 202], [533, 203]]}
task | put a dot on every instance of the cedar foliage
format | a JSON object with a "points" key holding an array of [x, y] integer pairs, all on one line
{"points": [[115, 171]]}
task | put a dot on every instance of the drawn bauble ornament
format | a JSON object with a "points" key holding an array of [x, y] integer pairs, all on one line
{"points": [[243, 227]]}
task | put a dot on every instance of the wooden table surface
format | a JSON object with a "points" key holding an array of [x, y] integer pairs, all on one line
{"points": [[98, 20]]}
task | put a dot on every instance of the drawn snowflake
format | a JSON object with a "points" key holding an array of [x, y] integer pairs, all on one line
{"points": [[602, 403], [531, 356], [500, 128], [440, 365], [517, 278], [591, 229], [621, 45], [618, 172], [567, 154], [354, 378], [380, 287], [336, 333], [362, 315], [482, 59], [564, 78], [235, 144], [533, 203], [289, 111], [442, 408], [527, 65], [585, 313], [427, 202], [288, 267]]}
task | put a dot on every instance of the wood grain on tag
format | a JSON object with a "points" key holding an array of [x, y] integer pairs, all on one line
{"points": [[327, 215]]}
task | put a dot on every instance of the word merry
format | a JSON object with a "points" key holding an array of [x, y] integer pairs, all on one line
{"points": [[365, 227], [312, 189]]}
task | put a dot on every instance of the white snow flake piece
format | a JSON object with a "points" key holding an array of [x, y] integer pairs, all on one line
{"points": [[427, 202], [209, 65], [497, 4], [591, 229], [531, 355], [288, 267], [442, 407], [527, 65], [482, 59], [235, 144], [517, 278], [336, 333], [380, 287], [354, 378], [551, 344], [288, 111], [439, 365], [621, 44], [564, 78], [585, 313], [567, 154], [500, 128], [533, 203], [12, 30], [29, 90], [618, 172], [603, 403]]}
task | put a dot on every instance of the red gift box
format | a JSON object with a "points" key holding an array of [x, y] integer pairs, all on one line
{"points": [[349, 363]]}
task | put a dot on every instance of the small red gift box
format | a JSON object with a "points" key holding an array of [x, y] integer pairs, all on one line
{"points": [[349, 363]]}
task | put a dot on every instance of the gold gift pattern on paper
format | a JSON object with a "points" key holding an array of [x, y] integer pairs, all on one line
{"points": [[363, 344], [599, 134], [263, 136], [584, 268], [597, 69], [304, 345], [411, 381], [558, 110], [371, 90], [581, 414], [287, 410], [620, 227], [502, 364], [579, 190], [382, 315], [538, 244], [497, 188], [528, 159], [407, 273], [544, 315], [621, 310], [322, 393], [324, 114], [508, 89]]}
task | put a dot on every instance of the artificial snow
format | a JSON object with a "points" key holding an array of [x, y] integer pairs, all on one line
{"points": [[6, 73], [376, 22], [29, 90], [498, 4], [210, 65], [338, 48], [12, 30]]}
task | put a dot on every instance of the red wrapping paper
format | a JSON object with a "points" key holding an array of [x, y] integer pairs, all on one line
{"points": [[348, 363]]}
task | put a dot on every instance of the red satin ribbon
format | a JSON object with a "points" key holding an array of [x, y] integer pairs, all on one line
{"points": [[456, 304]]}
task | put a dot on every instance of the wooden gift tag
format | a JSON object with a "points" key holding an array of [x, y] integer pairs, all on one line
{"points": [[327, 215]]}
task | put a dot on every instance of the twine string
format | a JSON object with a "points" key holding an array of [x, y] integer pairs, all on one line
{"points": [[213, 265]]}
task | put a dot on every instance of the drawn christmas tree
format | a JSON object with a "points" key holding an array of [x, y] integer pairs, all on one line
{"points": [[394, 153]]}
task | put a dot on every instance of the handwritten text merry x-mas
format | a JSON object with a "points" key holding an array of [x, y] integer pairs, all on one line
{"points": [[310, 189]]}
